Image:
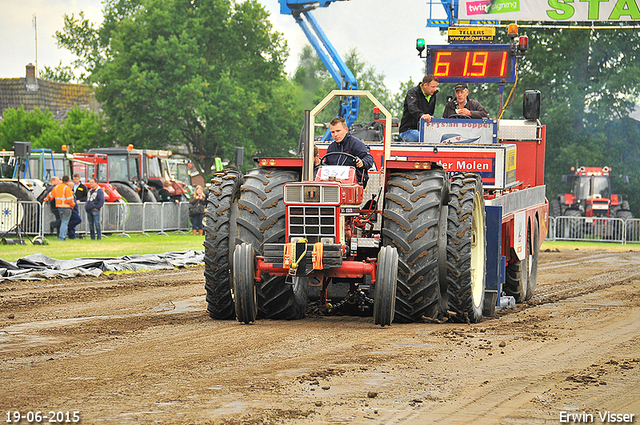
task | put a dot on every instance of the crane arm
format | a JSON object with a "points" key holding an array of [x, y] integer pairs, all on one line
{"points": [[342, 75]]}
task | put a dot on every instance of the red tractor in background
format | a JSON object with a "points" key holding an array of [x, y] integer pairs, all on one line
{"points": [[591, 196], [140, 173], [89, 165]]}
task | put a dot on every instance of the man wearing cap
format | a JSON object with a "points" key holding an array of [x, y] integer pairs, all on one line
{"points": [[420, 103], [462, 105]]}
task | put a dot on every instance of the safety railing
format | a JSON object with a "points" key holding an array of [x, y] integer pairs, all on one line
{"points": [[594, 229], [119, 218]]}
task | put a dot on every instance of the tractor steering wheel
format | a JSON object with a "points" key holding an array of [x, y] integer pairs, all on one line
{"points": [[348, 155], [460, 116]]}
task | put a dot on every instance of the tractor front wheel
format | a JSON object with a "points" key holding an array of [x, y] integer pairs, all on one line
{"points": [[384, 302], [244, 287]]}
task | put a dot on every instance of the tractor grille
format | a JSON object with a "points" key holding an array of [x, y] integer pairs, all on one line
{"points": [[312, 223], [323, 194]]}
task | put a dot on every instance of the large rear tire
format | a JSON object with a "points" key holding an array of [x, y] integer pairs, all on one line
{"points": [[412, 210], [555, 210], [219, 242], [384, 293], [244, 288], [261, 219], [627, 225], [575, 225], [12, 213], [466, 248], [127, 193], [148, 196]]}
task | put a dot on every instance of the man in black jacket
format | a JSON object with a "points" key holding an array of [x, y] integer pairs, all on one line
{"points": [[420, 103], [345, 142]]}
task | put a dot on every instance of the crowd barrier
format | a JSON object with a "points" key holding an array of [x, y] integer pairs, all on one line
{"points": [[123, 218], [116, 218], [594, 229]]}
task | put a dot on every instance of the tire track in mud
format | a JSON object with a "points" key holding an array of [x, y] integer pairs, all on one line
{"points": [[571, 289], [615, 268]]}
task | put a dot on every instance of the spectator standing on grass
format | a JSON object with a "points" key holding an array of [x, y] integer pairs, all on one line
{"points": [[75, 214], [95, 201], [62, 195], [54, 226], [79, 189], [197, 208]]}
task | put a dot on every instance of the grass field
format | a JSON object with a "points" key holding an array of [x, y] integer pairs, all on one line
{"points": [[574, 245], [112, 246]]}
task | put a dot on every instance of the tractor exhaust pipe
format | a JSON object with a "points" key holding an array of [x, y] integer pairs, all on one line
{"points": [[307, 134]]}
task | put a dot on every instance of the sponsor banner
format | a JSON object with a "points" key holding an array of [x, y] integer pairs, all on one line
{"points": [[550, 10], [459, 131], [482, 162], [471, 34]]}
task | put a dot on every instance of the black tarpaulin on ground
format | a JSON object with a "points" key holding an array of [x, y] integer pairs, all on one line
{"points": [[39, 266]]}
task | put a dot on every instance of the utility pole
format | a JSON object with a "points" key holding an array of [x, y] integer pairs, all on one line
{"points": [[35, 30]]}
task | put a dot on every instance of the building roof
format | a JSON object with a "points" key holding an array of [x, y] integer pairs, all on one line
{"points": [[32, 92]]}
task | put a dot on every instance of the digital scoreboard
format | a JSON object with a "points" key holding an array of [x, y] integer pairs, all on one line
{"points": [[487, 63]]}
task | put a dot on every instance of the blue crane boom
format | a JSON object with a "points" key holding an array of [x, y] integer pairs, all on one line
{"points": [[342, 75]]}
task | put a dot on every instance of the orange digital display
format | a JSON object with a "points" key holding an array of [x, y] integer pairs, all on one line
{"points": [[455, 63]]}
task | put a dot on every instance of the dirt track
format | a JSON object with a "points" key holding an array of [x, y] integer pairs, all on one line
{"points": [[140, 348]]}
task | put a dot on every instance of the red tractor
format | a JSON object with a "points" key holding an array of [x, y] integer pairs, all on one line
{"points": [[591, 196], [90, 165], [139, 174], [437, 231]]}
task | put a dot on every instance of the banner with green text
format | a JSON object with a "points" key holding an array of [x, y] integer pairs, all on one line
{"points": [[550, 10]]}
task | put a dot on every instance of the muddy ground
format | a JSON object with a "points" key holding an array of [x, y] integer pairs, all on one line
{"points": [[140, 348]]}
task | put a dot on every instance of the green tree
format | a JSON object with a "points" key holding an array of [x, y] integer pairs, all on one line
{"points": [[38, 127], [316, 82], [589, 80], [205, 73], [81, 130]]}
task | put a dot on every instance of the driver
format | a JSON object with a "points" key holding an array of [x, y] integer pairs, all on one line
{"points": [[462, 105], [345, 142]]}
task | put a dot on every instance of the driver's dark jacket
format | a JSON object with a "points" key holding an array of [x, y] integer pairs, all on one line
{"points": [[355, 147], [415, 106], [477, 110]]}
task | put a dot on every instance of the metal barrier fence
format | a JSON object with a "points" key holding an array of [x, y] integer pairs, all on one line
{"points": [[594, 229], [119, 218], [124, 218]]}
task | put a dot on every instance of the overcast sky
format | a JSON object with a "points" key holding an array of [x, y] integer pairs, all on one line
{"points": [[383, 31]]}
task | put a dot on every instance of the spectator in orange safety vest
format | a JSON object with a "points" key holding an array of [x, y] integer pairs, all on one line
{"points": [[63, 197]]}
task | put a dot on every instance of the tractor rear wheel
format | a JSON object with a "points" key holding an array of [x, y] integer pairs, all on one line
{"points": [[575, 224], [533, 252], [244, 288], [12, 213], [219, 242], [128, 194], [411, 223], [384, 293], [555, 210], [625, 215], [466, 248], [261, 219]]}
